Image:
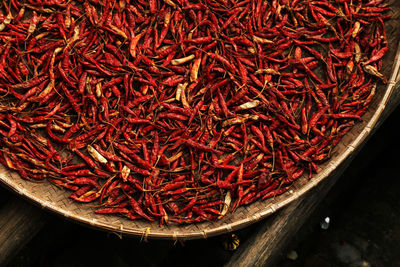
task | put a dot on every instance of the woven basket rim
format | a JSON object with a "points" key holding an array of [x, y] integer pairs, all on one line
{"points": [[219, 228]]}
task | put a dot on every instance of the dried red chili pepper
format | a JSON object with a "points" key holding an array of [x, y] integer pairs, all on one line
{"points": [[179, 107]]}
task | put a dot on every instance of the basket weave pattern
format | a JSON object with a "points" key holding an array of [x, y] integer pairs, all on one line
{"points": [[52, 198]]}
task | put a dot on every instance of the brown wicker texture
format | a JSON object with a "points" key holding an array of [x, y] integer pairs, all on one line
{"points": [[50, 197]]}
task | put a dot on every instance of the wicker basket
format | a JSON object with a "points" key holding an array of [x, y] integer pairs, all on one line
{"points": [[50, 197]]}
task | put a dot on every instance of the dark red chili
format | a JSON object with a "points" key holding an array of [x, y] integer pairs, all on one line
{"points": [[175, 110]]}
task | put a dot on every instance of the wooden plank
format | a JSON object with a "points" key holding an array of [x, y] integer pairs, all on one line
{"points": [[19, 223], [273, 234]]}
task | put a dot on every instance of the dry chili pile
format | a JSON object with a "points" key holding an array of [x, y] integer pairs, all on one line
{"points": [[181, 111]]}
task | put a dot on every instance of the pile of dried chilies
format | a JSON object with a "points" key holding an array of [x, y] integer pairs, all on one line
{"points": [[177, 110]]}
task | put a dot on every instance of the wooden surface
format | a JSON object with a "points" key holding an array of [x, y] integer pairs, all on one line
{"points": [[19, 223]]}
